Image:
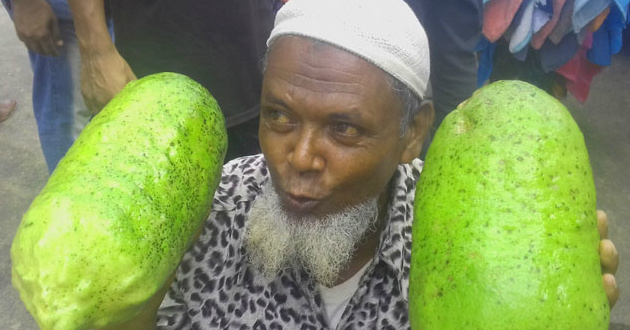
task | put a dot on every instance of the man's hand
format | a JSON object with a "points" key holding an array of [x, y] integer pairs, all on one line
{"points": [[103, 71], [103, 75], [36, 25], [609, 259]]}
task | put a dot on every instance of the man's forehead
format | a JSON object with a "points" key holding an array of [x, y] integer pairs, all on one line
{"points": [[302, 43], [334, 69]]}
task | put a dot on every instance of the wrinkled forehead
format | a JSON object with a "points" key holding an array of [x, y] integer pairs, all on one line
{"points": [[308, 59]]}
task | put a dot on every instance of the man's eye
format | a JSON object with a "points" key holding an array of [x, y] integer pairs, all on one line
{"points": [[278, 117], [346, 129]]}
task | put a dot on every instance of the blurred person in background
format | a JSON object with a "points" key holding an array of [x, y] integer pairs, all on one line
{"points": [[47, 30]]}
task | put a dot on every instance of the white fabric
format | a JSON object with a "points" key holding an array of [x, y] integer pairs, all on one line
{"points": [[336, 299], [386, 33]]}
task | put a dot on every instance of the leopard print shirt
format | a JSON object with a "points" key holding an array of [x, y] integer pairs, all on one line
{"points": [[215, 288]]}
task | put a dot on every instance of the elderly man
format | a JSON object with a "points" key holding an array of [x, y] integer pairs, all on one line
{"points": [[315, 233]]}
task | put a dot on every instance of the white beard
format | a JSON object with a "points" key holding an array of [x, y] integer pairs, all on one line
{"points": [[276, 240]]}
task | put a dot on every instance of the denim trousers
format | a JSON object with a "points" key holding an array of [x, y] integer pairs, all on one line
{"points": [[58, 106]]}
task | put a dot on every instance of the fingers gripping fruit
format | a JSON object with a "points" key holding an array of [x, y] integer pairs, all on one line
{"points": [[122, 207]]}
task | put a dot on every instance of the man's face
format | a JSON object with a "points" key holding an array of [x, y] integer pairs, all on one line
{"points": [[329, 127]]}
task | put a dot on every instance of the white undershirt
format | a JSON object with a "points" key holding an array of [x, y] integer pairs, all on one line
{"points": [[336, 299]]}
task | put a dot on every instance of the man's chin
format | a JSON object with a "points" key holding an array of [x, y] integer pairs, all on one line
{"points": [[277, 238]]}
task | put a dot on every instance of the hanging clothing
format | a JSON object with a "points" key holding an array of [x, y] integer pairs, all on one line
{"points": [[579, 72], [523, 32], [571, 40], [539, 37], [608, 39], [543, 10], [553, 56], [585, 11], [497, 17], [564, 25]]}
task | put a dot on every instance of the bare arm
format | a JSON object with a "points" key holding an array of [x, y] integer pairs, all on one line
{"points": [[103, 71]]}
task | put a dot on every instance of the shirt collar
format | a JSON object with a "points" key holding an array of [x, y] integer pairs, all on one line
{"points": [[395, 245]]}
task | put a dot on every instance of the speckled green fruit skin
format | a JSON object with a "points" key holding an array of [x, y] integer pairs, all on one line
{"points": [[505, 231], [122, 207]]}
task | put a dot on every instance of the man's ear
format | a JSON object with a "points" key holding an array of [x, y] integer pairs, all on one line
{"points": [[418, 131]]}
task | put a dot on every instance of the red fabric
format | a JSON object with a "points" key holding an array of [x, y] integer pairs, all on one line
{"points": [[497, 17], [579, 71], [539, 37]]}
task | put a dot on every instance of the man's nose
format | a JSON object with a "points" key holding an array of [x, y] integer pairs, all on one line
{"points": [[306, 156]]}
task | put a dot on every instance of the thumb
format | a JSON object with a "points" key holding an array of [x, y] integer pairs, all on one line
{"points": [[56, 34]]}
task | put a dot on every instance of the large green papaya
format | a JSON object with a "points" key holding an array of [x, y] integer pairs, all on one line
{"points": [[122, 207], [505, 226]]}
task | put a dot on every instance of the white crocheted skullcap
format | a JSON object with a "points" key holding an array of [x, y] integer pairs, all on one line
{"points": [[384, 32]]}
